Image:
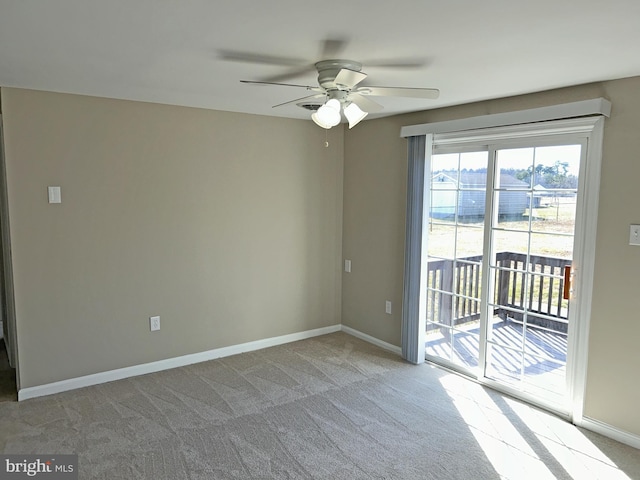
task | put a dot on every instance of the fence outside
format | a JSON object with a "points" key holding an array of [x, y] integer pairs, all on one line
{"points": [[544, 295]]}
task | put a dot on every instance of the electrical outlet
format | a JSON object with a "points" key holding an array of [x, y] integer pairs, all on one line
{"points": [[347, 266], [387, 307], [154, 323]]}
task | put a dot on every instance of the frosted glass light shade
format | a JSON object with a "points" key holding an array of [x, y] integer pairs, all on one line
{"points": [[354, 114], [319, 122], [333, 103], [328, 115]]}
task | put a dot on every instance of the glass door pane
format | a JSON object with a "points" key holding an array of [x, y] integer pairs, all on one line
{"points": [[534, 197], [457, 201]]}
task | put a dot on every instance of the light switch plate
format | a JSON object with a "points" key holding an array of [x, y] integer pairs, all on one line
{"points": [[347, 266], [154, 323], [634, 235]]}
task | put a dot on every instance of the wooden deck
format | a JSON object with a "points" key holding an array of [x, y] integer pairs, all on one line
{"points": [[540, 361], [529, 353]]}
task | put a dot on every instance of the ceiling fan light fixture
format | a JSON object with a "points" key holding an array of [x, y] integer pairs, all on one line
{"points": [[354, 114], [333, 103], [318, 121], [339, 84], [328, 115]]}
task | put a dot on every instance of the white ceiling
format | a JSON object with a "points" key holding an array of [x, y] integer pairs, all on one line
{"points": [[168, 51]]}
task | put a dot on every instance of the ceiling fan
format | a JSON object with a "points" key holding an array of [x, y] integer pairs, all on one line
{"points": [[338, 91]]}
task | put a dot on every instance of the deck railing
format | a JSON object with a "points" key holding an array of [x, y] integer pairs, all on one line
{"points": [[462, 277]]}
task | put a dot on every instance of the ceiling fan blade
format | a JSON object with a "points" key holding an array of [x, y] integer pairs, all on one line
{"points": [[258, 82], [349, 78], [308, 97], [430, 93], [296, 72], [365, 104], [236, 56]]}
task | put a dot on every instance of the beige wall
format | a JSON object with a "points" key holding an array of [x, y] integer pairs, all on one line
{"points": [[373, 237], [229, 227], [226, 225]]}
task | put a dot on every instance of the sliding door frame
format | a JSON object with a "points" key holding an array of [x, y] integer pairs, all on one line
{"points": [[589, 126], [576, 323]]}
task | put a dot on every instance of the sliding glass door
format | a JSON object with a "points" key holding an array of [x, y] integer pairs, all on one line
{"points": [[535, 192], [500, 237], [455, 251]]}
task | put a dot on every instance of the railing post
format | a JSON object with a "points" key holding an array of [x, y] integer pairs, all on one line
{"points": [[503, 282]]}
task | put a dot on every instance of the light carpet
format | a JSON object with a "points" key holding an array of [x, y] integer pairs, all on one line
{"points": [[331, 407]]}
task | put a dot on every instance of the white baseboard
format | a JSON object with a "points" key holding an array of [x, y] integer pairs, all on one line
{"points": [[127, 372], [372, 340], [611, 432]]}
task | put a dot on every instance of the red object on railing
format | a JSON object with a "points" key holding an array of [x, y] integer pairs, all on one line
{"points": [[566, 292]]}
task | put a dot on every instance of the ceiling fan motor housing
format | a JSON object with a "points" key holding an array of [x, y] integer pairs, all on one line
{"points": [[329, 69]]}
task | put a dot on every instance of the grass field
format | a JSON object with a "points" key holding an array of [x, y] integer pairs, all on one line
{"points": [[551, 228]]}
